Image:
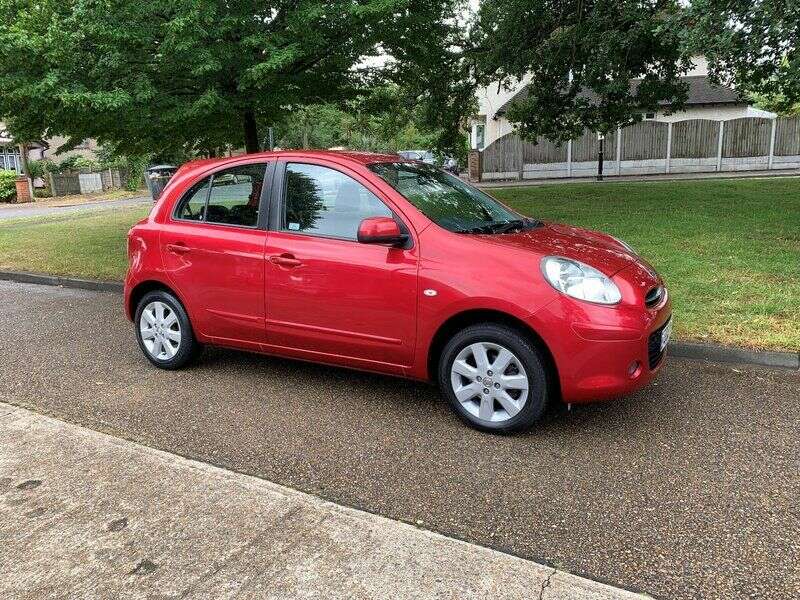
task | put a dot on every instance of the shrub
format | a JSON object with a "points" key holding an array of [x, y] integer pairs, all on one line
{"points": [[78, 163], [8, 189], [40, 168]]}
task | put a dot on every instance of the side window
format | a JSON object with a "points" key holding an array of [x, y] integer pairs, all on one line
{"points": [[323, 201], [192, 206], [235, 194]]}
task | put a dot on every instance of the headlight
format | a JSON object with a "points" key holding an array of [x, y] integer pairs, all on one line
{"points": [[580, 281], [625, 245]]}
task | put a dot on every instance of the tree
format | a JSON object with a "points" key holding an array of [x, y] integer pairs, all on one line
{"points": [[382, 120], [580, 56], [750, 44], [165, 77]]}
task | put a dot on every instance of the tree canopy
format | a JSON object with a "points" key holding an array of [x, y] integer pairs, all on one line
{"points": [[752, 44], [580, 56], [201, 74], [187, 76]]}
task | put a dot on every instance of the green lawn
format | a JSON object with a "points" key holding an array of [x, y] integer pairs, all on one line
{"points": [[90, 245], [729, 250]]}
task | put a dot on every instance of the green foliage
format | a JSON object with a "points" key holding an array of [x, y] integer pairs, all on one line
{"points": [[752, 44], [40, 168], [381, 121], [135, 171], [581, 56], [8, 188], [196, 75], [775, 103], [78, 163]]}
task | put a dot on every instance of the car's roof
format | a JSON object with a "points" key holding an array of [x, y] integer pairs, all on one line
{"points": [[363, 158]]}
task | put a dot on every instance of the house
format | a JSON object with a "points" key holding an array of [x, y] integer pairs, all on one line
{"points": [[705, 101], [10, 158]]}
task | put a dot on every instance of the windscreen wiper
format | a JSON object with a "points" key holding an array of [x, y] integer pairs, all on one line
{"points": [[502, 226]]}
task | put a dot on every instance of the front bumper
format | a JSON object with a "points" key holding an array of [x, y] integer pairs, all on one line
{"points": [[602, 353]]}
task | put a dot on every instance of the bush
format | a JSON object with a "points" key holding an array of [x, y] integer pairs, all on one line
{"points": [[78, 163], [8, 189], [40, 168]]}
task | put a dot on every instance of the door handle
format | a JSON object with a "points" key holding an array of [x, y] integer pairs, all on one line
{"points": [[285, 260], [178, 248]]}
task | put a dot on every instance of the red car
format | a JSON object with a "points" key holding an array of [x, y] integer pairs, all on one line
{"points": [[377, 263]]}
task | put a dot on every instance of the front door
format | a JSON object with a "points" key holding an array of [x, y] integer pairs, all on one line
{"points": [[213, 251], [330, 297]]}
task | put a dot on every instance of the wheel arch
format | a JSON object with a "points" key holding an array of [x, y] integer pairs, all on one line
{"points": [[467, 318], [149, 285]]}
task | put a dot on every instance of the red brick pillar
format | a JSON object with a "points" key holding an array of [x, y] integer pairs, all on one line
{"points": [[475, 166], [24, 189]]}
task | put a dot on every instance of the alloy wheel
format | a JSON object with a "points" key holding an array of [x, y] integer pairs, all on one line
{"points": [[160, 330], [489, 381]]}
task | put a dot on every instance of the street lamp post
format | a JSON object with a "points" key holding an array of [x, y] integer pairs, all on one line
{"points": [[601, 138]]}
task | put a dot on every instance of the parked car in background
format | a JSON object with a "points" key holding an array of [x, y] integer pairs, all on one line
{"points": [[425, 156], [450, 165], [379, 263]]}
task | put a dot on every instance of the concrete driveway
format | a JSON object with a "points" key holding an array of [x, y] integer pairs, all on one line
{"points": [[688, 489], [24, 211]]}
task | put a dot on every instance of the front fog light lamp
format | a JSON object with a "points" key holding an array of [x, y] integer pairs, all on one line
{"points": [[580, 281]]}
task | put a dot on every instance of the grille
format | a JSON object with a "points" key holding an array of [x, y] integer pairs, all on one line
{"points": [[653, 297], [654, 352]]}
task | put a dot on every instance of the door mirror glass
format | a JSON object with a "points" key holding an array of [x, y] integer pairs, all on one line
{"points": [[381, 230]]}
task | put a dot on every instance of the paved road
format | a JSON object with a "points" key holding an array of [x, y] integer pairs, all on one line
{"points": [[24, 211], [688, 489]]}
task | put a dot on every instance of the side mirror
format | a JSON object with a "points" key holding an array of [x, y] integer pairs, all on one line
{"points": [[381, 230]]}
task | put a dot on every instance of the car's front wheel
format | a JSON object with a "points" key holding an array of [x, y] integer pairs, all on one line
{"points": [[494, 378], [164, 332]]}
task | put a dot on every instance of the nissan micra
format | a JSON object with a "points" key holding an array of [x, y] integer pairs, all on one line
{"points": [[378, 263]]}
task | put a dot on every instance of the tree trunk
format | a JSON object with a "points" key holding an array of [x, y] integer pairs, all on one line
{"points": [[23, 158], [250, 132]]}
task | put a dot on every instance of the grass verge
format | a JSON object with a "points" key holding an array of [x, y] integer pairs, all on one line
{"points": [[90, 245], [728, 249]]}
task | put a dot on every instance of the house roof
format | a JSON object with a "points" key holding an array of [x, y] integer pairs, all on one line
{"points": [[701, 91]]}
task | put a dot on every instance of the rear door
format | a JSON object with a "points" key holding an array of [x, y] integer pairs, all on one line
{"points": [[213, 251], [329, 296]]}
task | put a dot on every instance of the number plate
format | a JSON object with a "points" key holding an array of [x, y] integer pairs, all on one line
{"points": [[665, 334]]}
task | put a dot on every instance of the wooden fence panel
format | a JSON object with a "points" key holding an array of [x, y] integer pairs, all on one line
{"points": [[503, 155], [695, 138], [64, 185], [645, 140], [748, 136], [585, 148], [543, 152], [787, 136]]}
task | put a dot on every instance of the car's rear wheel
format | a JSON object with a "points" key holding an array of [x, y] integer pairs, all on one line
{"points": [[494, 378], [164, 332]]}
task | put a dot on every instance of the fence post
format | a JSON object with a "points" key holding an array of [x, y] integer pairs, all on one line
{"points": [[52, 182], [669, 146], [569, 158], [772, 143], [619, 150], [719, 145], [521, 158]]}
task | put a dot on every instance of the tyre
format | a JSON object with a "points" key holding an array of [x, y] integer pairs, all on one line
{"points": [[494, 378], [164, 332]]}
